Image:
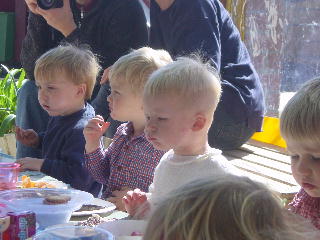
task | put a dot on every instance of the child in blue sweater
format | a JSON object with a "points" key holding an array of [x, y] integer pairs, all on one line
{"points": [[65, 77]]}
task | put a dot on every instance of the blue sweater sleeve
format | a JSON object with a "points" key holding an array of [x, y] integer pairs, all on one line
{"points": [[200, 35], [70, 168]]}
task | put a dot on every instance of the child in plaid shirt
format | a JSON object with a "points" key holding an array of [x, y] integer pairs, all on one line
{"points": [[130, 160], [299, 125]]}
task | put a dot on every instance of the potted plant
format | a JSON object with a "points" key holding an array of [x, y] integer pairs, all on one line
{"points": [[9, 86]]}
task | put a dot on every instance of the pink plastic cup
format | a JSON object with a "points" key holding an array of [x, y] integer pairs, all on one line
{"points": [[9, 173]]}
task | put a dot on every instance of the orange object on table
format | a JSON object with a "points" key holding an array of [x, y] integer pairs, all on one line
{"points": [[28, 183]]}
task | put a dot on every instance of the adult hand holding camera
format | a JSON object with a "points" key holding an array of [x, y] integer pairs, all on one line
{"points": [[59, 18], [33, 6]]}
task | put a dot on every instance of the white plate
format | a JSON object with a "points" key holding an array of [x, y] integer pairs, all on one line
{"points": [[31, 199], [108, 207], [124, 227]]}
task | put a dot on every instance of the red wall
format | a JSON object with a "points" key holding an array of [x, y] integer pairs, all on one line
{"points": [[7, 6]]}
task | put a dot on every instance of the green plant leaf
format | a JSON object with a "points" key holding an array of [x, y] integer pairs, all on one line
{"points": [[4, 81], [5, 68], [7, 124], [6, 101], [23, 82], [10, 82], [9, 87], [14, 71], [21, 78]]}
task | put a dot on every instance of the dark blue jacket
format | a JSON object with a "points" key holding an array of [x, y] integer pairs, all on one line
{"points": [[205, 26], [63, 150]]}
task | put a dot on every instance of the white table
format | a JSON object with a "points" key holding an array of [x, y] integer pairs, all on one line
{"points": [[38, 176]]}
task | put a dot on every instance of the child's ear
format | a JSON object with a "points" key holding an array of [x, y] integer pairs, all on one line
{"points": [[82, 89], [199, 123]]}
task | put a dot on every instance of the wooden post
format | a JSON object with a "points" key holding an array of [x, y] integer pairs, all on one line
{"points": [[224, 2]]}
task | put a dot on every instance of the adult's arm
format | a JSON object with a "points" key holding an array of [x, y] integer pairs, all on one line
{"points": [[205, 26], [36, 42], [195, 28], [201, 36]]}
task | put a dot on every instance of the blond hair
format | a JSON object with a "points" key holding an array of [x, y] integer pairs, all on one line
{"points": [[300, 117], [135, 67], [226, 208], [194, 82], [79, 64]]}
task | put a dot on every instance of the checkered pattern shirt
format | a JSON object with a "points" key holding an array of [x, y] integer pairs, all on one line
{"points": [[306, 206], [128, 161]]}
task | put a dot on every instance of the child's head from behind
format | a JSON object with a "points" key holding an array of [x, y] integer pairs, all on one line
{"points": [[226, 208], [65, 77], [179, 103], [300, 127], [127, 78]]}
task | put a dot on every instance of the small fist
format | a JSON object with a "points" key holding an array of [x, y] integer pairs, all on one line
{"points": [[29, 163], [27, 137], [136, 203], [93, 131]]}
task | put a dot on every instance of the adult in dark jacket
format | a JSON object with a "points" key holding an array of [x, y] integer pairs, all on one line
{"points": [[110, 27], [186, 26]]}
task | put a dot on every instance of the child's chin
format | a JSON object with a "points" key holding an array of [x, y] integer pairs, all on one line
{"points": [[117, 118], [313, 193], [160, 147], [53, 114]]}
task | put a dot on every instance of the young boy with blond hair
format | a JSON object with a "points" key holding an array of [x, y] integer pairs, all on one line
{"points": [[130, 160], [65, 77], [300, 128], [179, 103]]}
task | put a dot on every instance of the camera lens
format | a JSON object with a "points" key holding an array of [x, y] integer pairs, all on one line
{"points": [[45, 4], [48, 4]]}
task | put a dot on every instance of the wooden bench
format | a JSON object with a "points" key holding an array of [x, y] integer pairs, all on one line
{"points": [[260, 162], [267, 165]]}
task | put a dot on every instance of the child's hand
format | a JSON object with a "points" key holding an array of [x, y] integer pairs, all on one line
{"points": [[29, 163], [27, 137], [117, 198], [93, 132], [136, 203]]}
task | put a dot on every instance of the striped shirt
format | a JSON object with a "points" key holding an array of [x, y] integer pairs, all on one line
{"points": [[307, 207], [128, 161]]}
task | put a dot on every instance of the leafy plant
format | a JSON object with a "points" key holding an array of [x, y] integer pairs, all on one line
{"points": [[9, 87]]}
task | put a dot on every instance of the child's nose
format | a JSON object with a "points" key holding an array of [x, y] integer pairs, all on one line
{"points": [[41, 94], [150, 126], [109, 98], [303, 167]]}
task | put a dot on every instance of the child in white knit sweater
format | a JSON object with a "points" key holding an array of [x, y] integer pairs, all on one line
{"points": [[179, 103]]}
